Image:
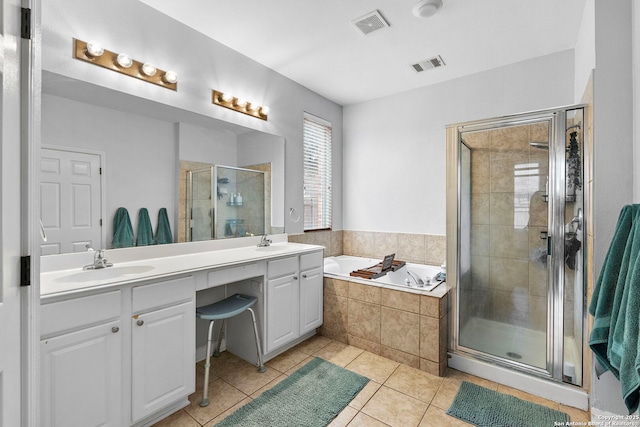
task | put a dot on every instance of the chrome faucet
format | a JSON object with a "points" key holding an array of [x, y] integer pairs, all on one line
{"points": [[416, 278], [99, 261], [264, 241]]}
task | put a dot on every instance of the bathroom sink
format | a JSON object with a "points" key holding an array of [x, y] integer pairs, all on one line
{"points": [[270, 248], [105, 273]]}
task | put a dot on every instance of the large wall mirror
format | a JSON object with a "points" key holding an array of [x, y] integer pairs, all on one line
{"points": [[103, 150]]}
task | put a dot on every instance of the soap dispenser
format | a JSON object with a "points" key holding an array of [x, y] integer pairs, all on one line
{"points": [[239, 199]]}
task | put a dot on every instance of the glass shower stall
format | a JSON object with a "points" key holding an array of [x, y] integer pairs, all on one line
{"points": [[516, 232]]}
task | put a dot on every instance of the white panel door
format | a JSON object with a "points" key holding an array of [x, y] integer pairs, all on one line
{"points": [[311, 290], [12, 386], [70, 196], [282, 311]]}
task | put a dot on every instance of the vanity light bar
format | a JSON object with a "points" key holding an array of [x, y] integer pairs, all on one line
{"points": [[122, 63], [240, 105]]}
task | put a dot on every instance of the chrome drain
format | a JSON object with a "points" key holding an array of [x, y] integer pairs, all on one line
{"points": [[514, 355]]}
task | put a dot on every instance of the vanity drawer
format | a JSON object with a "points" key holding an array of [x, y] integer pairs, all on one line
{"points": [[312, 260], [222, 276], [282, 267], [162, 294], [71, 314]]}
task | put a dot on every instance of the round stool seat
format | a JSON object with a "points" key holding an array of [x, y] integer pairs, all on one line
{"points": [[229, 307]]}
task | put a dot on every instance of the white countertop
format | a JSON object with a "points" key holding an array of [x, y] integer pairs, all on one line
{"points": [[75, 280]]}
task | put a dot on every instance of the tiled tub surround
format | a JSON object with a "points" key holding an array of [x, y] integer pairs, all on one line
{"points": [[402, 325], [417, 248]]}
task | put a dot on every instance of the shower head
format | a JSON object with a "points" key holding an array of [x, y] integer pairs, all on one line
{"points": [[540, 145]]}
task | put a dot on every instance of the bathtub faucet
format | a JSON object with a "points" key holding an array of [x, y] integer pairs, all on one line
{"points": [[416, 278]]}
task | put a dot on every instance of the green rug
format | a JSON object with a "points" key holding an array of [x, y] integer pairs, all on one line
{"points": [[311, 396], [487, 408]]}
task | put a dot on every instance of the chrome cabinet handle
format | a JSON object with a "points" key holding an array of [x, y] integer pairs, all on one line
{"points": [[295, 277], [115, 329], [304, 276], [140, 322]]}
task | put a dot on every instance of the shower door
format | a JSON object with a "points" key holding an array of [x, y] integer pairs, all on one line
{"points": [[518, 291], [200, 204]]}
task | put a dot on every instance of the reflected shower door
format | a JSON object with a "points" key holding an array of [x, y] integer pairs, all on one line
{"points": [[200, 204], [503, 289]]}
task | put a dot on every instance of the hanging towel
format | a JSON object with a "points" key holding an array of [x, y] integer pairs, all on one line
{"points": [[615, 305], [163, 232], [145, 232], [122, 229]]}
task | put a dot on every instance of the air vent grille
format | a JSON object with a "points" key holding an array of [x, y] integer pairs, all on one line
{"points": [[370, 22], [428, 64]]}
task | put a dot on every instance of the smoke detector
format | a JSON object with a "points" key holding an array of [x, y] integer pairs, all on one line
{"points": [[426, 8], [370, 22], [428, 64]]}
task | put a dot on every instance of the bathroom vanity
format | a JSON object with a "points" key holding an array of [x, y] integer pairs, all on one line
{"points": [[118, 345]]}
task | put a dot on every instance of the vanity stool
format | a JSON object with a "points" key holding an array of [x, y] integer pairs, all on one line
{"points": [[222, 310]]}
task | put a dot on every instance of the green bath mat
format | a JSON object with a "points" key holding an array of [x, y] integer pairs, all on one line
{"points": [[487, 408], [311, 396]]}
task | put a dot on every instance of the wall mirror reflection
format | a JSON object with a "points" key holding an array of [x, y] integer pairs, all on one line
{"points": [[104, 149]]}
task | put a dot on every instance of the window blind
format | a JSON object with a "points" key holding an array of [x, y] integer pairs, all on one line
{"points": [[317, 173]]}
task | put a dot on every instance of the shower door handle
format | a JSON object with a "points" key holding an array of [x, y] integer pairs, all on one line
{"points": [[544, 235]]}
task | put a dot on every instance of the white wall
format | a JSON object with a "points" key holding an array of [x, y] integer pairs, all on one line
{"points": [[585, 50], [394, 147], [613, 150], [139, 152], [202, 64]]}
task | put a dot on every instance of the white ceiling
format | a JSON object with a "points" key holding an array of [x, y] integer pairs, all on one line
{"points": [[315, 44]]}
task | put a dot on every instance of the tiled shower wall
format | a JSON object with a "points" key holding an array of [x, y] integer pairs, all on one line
{"points": [[508, 282], [416, 248]]}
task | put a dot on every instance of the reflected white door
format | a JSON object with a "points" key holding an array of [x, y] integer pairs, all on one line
{"points": [[70, 200]]}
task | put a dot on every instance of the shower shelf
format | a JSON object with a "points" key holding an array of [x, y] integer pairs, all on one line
{"points": [[234, 204], [545, 198]]}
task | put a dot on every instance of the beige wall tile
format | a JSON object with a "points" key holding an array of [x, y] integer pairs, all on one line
{"points": [[400, 356], [384, 244], [400, 330], [480, 177], [370, 346], [364, 320], [538, 210], [429, 338], [480, 243], [433, 368], [480, 271], [348, 241], [334, 335], [362, 244], [433, 306], [436, 249], [336, 243], [336, 312], [508, 242], [365, 293], [477, 140], [336, 287], [538, 278], [508, 274], [502, 209], [411, 247], [400, 300], [480, 208]]}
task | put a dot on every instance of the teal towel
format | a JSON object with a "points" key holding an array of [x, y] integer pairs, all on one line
{"points": [[145, 232], [615, 305], [122, 229], [163, 232]]}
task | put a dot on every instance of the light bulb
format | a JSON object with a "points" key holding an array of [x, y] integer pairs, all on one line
{"points": [[225, 97], [240, 103], [170, 77], [264, 110], [253, 106], [124, 60], [94, 50], [149, 69]]}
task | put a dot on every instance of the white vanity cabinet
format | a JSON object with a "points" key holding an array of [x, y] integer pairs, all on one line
{"points": [[81, 363], [162, 345], [294, 298]]}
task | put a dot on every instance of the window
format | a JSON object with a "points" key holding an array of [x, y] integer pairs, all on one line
{"points": [[317, 173]]}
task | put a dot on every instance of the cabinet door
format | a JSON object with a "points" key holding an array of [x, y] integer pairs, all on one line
{"points": [[163, 358], [282, 311], [82, 378], [311, 289]]}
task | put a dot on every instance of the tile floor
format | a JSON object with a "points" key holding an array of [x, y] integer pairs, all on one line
{"points": [[397, 395]]}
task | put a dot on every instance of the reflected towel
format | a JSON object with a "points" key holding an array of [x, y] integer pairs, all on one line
{"points": [[163, 232], [145, 232], [615, 306], [122, 229]]}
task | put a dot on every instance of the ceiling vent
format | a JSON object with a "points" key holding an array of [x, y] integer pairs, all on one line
{"points": [[370, 22], [428, 64]]}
